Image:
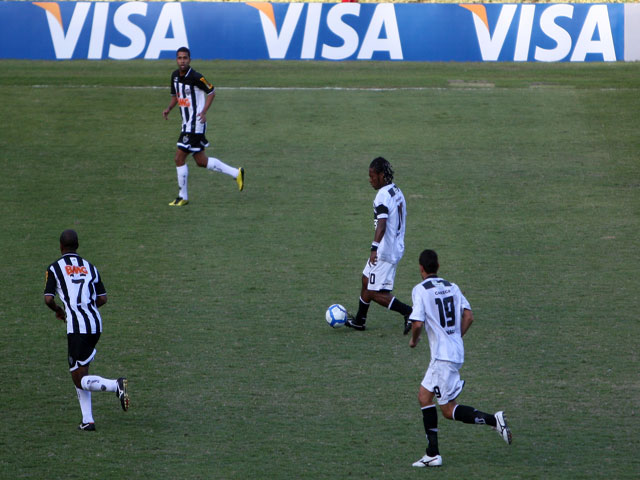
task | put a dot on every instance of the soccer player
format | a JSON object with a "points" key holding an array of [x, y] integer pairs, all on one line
{"points": [[446, 315], [194, 95], [80, 288], [387, 248]]}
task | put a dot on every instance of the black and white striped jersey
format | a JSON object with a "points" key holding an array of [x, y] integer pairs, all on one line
{"points": [[191, 91], [78, 284]]}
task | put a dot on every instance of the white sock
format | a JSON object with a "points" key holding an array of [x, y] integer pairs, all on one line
{"points": [[183, 178], [219, 166], [94, 383], [84, 398]]}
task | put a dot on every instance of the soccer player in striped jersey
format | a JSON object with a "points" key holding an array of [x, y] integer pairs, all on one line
{"points": [[443, 311], [387, 248], [194, 95], [79, 286]]}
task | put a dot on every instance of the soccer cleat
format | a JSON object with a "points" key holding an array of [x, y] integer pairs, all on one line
{"points": [[351, 323], [179, 202], [502, 428], [428, 461], [122, 393], [240, 179], [407, 325], [88, 427]]}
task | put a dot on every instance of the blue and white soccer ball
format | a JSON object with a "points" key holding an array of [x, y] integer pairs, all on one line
{"points": [[336, 315]]}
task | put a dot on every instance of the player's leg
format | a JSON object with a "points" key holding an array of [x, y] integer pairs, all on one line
{"points": [[358, 323], [381, 286], [217, 165], [182, 172], [432, 456], [80, 353], [466, 414]]}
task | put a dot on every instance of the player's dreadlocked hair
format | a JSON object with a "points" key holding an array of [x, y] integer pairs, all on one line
{"points": [[381, 165]]}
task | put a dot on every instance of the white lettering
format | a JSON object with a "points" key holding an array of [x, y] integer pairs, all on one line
{"points": [[98, 29], [130, 30], [65, 44], [311, 28], [491, 45], [525, 27], [556, 33], [170, 16], [278, 43], [383, 16], [597, 18], [348, 35]]}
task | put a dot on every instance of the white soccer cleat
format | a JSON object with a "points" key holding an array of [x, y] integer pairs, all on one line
{"points": [[502, 428], [428, 461]]}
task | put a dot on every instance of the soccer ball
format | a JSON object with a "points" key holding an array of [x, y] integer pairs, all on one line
{"points": [[336, 315]]}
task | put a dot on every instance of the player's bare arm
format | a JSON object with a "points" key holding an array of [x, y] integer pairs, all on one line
{"points": [[50, 302], [416, 329], [101, 300], [203, 114], [381, 228], [467, 320], [172, 103]]}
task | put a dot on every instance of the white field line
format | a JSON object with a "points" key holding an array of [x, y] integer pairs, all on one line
{"points": [[451, 86]]}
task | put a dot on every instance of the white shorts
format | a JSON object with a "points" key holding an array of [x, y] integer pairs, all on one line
{"points": [[380, 275], [443, 379]]}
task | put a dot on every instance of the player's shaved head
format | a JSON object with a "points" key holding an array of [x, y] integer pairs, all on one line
{"points": [[69, 240], [429, 261]]}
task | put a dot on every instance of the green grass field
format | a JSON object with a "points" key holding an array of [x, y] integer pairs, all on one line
{"points": [[524, 178]]}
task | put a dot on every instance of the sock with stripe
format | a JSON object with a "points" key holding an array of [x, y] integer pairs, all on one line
{"points": [[219, 166], [84, 398], [397, 306], [363, 308], [183, 178], [430, 421], [465, 414], [94, 383]]}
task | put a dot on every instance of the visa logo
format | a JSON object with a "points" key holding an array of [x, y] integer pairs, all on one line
{"points": [[595, 35], [65, 40], [278, 39], [74, 269]]}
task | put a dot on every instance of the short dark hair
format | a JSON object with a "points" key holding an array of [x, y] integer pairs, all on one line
{"points": [[69, 240], [429, 261], [183, 49], [381, 165]]}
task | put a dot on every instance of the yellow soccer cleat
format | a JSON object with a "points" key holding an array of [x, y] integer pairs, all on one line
{"points": [[179, 202], [240, 179]]}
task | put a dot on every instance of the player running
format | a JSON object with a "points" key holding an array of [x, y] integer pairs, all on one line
{"points": [[446, 315], [194, 95], [80, 288]]}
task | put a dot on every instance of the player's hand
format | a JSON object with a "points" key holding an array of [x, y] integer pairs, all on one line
{"points": [[203, 117], [412, 342], [373, 258], [60, 315], [165, 113]]}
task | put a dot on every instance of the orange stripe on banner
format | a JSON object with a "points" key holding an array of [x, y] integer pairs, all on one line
{"points": [[265, 8], [480, 11], [51, 7]]}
